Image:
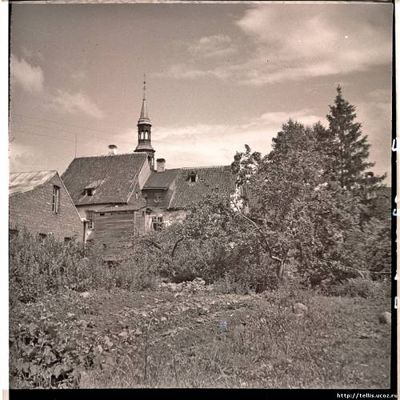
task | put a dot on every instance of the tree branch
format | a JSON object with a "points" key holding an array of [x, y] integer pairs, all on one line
{"points": [[175, 246], [265, 241], [148, 241]]}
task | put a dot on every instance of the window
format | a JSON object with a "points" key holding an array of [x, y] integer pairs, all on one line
{"points": [[42, 236], [157, 198], [56, 199], [67, 239], [192, 178], [90, 218], [157, 223], [102, 214], [89, 191]]}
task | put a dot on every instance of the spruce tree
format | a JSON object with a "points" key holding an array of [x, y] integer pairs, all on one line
{"points": [[349, 150]]}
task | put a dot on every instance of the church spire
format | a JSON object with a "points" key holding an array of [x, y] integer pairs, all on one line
{"points": [[144, 130], [144, 114]]}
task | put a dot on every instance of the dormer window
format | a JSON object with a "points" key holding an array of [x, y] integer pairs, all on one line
{"points": [[157, 198], [90, 189], [192, 178]]}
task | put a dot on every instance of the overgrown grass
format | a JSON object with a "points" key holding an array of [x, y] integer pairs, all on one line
{"points": [[264, 344], [361, 287], [38, 267], [121, 336]]}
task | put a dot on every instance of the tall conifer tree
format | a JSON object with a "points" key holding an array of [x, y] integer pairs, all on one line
{"points": [[349, 150]]}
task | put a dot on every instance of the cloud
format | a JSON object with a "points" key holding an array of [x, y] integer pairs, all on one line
{"points": [[375, 114], [74, 103], [29, 77], [216, 144], [212, 46], [292, 42], [314, 41]]}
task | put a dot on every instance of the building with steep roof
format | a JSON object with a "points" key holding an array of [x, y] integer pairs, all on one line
{"points": [[40, 202], [129, 194]]}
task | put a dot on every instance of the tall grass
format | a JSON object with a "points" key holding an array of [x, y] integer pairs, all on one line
{"points": [[39, 266]]}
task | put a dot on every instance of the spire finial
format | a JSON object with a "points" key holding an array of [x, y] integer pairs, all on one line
{"points": [[144, 87], [144, 115]]}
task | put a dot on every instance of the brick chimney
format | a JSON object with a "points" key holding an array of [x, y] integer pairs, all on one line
{"points": [[160, 164], [112, 150]]}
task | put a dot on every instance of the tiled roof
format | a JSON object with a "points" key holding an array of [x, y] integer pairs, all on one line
{"points": [[21, 182], [117, 175], [161, 180], [210, 180]]}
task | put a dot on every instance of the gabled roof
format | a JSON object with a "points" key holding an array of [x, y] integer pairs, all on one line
{"points": [[161, 180], [115, 175], [21, 182], [209, 180]]}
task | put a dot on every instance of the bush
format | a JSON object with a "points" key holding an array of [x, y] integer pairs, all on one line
{"points": [[360, 287], [45, 266]]}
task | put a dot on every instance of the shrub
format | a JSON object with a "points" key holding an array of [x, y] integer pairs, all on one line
{"points": [[360, 287], [47, 266]]}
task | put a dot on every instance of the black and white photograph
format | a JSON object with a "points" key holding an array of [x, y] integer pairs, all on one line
{"points": [[202, 195]]}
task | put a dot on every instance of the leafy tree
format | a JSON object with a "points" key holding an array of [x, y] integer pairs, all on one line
{"points": [[297, 216]]}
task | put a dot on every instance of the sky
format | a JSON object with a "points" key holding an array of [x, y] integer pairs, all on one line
{"points": [[219, 76]]}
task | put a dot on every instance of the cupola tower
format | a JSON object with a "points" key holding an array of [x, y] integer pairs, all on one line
{"points": [[144, 130]]}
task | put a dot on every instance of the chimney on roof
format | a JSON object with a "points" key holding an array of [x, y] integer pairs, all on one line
{"points": [[113, 149], [160, 164]]}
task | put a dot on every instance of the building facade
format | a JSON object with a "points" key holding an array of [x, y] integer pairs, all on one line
{"points": [[39, 202]]}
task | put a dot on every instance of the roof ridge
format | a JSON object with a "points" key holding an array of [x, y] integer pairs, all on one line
{"points": [[112, 155]]}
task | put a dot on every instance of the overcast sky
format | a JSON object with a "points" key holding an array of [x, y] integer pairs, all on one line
{"points": [[219, 76]]}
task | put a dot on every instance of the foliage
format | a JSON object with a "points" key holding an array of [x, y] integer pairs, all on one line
{"points": [[45, 266], [157, 339], [348, 149], [360, 287], [39, 266], [295, 215]]}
